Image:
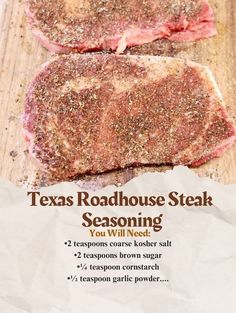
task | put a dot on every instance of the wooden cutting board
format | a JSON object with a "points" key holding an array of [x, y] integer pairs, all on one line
{"points": [[21, 57]]}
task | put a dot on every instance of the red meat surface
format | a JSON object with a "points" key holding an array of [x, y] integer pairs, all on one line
{"points": [[93, 25], [89, 114]]}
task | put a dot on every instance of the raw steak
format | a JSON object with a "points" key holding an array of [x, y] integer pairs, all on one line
{"points": [[96, 113], [92, 25], [160, 47]]}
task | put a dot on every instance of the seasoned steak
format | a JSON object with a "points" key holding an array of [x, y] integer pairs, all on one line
{"points": [[92, 25], [96, 113]]}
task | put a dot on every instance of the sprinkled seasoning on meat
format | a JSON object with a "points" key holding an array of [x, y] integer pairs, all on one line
{"points": [[95, 113], [92, 25]]}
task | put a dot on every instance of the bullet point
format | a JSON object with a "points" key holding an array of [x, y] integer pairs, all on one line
{"points": [[75, 255], [66, 243], [68, 278]]}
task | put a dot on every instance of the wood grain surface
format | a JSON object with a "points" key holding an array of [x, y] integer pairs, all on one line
{"points": [[20, 59]]}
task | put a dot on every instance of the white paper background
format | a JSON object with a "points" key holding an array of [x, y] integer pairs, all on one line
{"points": [[200, 266]]}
